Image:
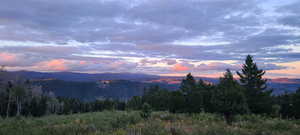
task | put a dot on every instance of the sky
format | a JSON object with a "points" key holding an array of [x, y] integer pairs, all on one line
{"points": [[162, 37]]}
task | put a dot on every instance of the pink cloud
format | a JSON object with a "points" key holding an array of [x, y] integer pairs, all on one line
{"points": [[179, 67], [55, 65], [82, 62], [7, 57]]}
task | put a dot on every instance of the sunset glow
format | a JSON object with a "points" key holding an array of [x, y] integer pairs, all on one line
{"points": [[204, 38]]}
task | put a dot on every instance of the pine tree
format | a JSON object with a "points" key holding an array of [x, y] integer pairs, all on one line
{"points": [[146, 111], [157, 98], [296, 104], [177, 102], [206, 92], [188, 84], [198, 98], [258, 96], [188, 88], [229, 97], [135, 103]]}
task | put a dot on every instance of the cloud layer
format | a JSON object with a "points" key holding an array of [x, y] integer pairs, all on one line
{"points": [[149, 36]]}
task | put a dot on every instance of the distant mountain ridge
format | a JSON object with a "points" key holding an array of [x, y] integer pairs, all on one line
{"points": [[88, 77], [123, 85], [285, 80], [84, 77]]}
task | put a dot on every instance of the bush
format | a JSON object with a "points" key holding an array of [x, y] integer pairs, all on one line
{"points": [[146, 111], [124, 120]]}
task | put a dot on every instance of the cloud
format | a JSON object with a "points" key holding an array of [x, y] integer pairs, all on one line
{"points": [[7, 57], [217, 66], [270, 66], [179, 67], [82, 62], [12, 59], [292, 14], [54, 65], [148, 35]]}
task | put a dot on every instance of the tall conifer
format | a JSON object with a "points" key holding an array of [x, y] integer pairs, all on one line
{"points": [[258, 96]]}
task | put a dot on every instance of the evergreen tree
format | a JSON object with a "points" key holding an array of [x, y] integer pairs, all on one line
{"points": [[177, 102], [157, 98], [206, 91], [229, 97], [296, 104], [135, 103], [198, 97], [188, 84], [285, 101], [194, 101], [187, 88], [146, 111], [259, 98]]}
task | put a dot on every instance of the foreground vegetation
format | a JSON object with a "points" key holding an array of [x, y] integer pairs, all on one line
{"points": [[159, 123]]}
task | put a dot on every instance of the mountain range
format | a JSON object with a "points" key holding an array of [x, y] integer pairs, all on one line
{"points": [[122, 85]]}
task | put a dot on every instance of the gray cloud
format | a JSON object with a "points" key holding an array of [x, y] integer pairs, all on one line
{"points": [[292, 17], [119, 31]]}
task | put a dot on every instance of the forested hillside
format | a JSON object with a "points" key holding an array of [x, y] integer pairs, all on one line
{"points": [[116, 89]]}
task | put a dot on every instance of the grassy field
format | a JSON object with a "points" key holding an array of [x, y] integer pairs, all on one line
{"points": [[160, 123]]}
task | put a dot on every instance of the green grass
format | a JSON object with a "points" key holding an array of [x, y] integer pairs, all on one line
{"points": [[160, 123], [77, 124]]}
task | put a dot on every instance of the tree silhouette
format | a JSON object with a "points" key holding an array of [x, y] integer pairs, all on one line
{"points": [[188, 84], [229, 97], [258, 96]]}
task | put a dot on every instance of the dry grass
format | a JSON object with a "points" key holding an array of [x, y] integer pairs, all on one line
{"points": [[160, 123]]}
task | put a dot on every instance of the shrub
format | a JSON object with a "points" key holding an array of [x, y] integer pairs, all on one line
{"points": [[146, 111], [124, 120]]}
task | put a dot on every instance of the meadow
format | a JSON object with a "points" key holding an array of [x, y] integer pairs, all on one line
{"points": [[159, 123]]}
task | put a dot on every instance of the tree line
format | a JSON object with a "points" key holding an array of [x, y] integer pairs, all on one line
{"points": [[21, 97], [248, 94]]}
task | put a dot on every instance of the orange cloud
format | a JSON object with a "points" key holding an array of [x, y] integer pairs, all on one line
{"points": [[55, 65], [179, 67], [7, 57], [293, 71]]}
